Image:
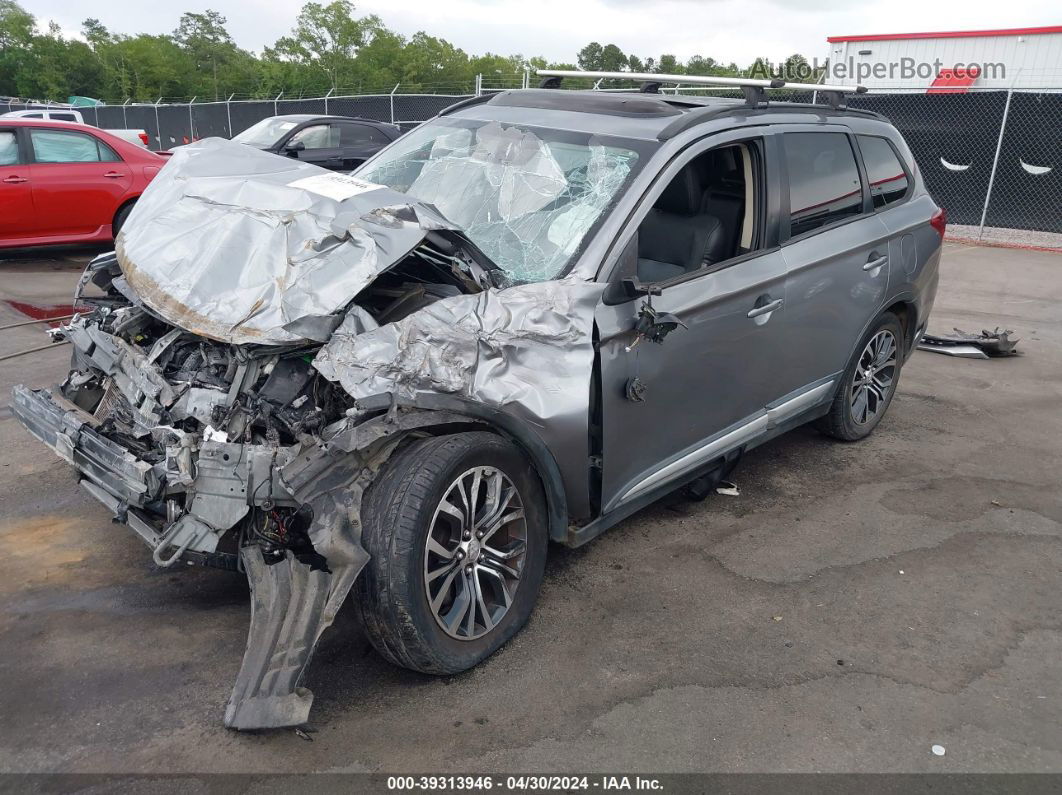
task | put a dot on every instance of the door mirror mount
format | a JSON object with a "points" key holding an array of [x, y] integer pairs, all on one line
{"points": [[634, 287]]}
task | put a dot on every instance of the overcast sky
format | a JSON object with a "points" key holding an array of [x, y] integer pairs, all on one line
{"points": [[727, 30]]}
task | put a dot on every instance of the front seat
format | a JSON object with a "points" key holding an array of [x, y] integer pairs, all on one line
{"points": [[676, 237]]}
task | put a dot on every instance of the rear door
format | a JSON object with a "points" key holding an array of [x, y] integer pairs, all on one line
{"points": [[890, 186], [836, 252], [16, 198], [78, 181], [359, 142]]}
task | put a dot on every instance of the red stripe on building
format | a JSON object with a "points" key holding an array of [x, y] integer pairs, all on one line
{"points": [[951, 34]]}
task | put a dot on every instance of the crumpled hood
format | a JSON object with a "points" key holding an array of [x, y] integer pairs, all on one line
{"points": [[245, 246]]}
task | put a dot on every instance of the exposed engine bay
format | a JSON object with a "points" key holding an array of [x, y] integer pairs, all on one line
{"points": [[188, 390]]}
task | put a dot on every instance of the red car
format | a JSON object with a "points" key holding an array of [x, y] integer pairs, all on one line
{"points": [[67, 183]]}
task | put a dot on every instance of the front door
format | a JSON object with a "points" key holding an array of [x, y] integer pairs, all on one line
{"points": [[668, 408]]}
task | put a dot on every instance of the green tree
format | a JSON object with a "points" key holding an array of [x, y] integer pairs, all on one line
{"points": [[327, 37], [669, 65], [330, 47], [608, 58], [221, 67], [16, 35]]}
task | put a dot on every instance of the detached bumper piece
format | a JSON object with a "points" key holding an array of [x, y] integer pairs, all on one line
{"points": [[291, 605], [987, 344]]}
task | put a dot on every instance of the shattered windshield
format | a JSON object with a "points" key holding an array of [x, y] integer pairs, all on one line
{"points": [[526, 197], [266, 133]]}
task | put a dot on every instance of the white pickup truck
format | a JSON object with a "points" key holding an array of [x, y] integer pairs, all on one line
{"points": [[138, 137]]}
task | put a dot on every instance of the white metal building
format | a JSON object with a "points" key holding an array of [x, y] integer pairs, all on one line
{"points": [[1020, 58]]}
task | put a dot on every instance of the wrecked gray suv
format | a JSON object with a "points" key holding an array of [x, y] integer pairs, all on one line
{"points": [[521, 322]]}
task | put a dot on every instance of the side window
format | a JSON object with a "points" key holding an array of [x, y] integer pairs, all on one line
{"points": [[319, 136], [55, 146], [8, 148], [888, 180], [33, 116], [62, 116], [107, 155], [709, 213], [823, 180], [361, 134]]}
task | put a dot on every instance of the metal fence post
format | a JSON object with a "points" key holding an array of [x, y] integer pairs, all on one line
{"points": [[326, 99], [276, 99], [479, 84], [191, 123], [125, 120], [393, 90], [158, 127], [228, 111], [995, 163]]}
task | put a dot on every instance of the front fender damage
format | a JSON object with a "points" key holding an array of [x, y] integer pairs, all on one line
{"points": [[291, 603]]}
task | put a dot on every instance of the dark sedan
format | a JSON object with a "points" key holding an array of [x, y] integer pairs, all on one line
{"points": [[340, 143]]}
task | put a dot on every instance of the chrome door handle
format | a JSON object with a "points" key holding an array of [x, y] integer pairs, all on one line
{"points": [[756, 311], [875, 263], [15, 180], [113, 174]]}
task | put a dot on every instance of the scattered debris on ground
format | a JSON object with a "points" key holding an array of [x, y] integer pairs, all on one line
{"points": [[971, 346]]}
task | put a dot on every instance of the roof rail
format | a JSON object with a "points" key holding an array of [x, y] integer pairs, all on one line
{"points": [[754, 90]]}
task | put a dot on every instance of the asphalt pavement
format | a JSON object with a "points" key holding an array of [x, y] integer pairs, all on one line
{"points": [[856, 605]]}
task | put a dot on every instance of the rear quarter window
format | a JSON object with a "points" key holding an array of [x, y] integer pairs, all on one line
{"points": [[824, 184], [886, 174]]}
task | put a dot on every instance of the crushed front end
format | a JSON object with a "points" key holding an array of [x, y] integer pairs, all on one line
{"points": [[193, 444], [236, 379]]}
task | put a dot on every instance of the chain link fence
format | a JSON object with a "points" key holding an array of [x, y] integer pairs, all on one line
{"points": [[990, 158]]}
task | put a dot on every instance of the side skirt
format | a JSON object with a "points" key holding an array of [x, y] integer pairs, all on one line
{"points": [[781, 416]]}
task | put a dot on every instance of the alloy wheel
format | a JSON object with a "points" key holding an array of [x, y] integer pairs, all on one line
{"points": [[874, 377], [474, 553]]}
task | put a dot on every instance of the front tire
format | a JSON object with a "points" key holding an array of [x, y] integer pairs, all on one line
{"points": [[456, 530], [868, 383]]}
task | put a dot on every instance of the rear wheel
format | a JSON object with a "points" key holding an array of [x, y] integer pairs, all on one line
{"points": [[868, 383], [119, 219], [456, 530]]}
